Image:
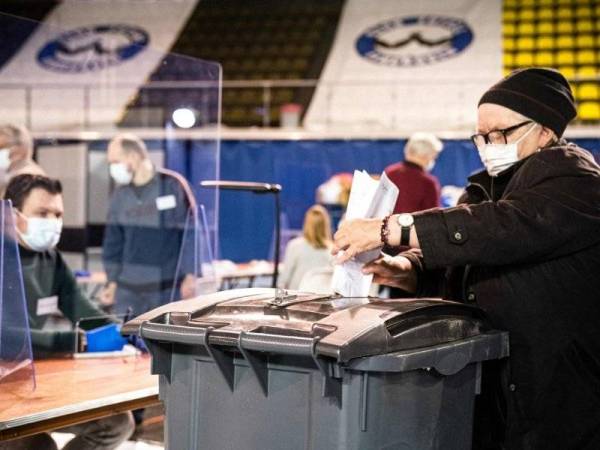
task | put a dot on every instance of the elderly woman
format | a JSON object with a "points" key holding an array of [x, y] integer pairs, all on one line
{"points": [[524, 245]]}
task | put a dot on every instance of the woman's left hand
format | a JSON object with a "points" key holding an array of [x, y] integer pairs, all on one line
{"points": [[356, 236]]}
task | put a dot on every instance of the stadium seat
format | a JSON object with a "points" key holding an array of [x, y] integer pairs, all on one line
{"points": [[508, 44], [584, 57], [526, 15], [564, 27], [589, 111], [525, 43], [565, 57], [567, 71], [584, 26], [509, 15], [588, 91], [544, 59], [587, 71], [545, 27], [565, 42], [584, 12], [525, 28], [508, 29], [585, 41], [508, 59], [545, 43], [546, 14], [564, 13], [524, 59]]}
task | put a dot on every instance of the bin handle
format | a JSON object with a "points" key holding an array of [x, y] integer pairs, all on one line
{"points": [[289, 345], [173, 333]]}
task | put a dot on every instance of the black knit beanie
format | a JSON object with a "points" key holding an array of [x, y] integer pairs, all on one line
{"points": [[542, 95]]}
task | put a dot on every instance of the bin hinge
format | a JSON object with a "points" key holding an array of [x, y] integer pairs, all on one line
{"points": [[258, 363], [222, 359]]}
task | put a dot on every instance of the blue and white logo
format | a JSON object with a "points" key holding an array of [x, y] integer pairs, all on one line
{"points": [[414, 40], [89, 49]]}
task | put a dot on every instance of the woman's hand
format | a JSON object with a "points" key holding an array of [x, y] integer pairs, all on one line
{"points": [[356, 236], [394, 271]]}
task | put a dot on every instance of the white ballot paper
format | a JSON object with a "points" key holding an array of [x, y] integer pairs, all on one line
{"points": [[369, 199]]}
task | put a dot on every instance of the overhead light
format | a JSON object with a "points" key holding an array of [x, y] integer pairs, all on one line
{"points": [[184, 117]]}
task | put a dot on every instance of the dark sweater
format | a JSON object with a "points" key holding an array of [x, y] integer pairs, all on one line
{"points": [[143, 238], [529, 254], [45, 274]]}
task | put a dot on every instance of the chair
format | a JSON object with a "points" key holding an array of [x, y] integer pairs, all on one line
{"points": [[545, 27], [525, 43], [544, 59], [526, 28], [508, 29], [546, 14], [565, 42], [565, 57], [564, 13], [584, 26], [524, 59], [545, 43], [589, 111], [317, 280], [508, 60], [526, 15], [585, 41], [567, 71], [587, 71], [588, 91], [564, 27], [584, 57]]}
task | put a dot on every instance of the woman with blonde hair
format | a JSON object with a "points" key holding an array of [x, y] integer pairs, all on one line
{"points": [[309, 251]]}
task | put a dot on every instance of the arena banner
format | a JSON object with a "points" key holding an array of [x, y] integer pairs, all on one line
{"points": [[88, 55], [409, 65]]}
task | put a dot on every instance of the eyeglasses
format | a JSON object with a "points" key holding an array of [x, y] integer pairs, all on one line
{"points": [[496, 136]]}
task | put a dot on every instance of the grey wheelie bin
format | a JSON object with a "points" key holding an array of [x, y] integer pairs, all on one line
{"points": [[266, 369]]}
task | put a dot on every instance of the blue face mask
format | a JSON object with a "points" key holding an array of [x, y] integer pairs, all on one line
{"points": [[42, 234]]}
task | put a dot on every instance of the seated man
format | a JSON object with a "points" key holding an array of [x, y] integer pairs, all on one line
{"points": [[51, 287]]}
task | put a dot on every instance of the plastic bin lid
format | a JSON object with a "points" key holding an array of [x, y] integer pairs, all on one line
{"points": [[277, 321]]}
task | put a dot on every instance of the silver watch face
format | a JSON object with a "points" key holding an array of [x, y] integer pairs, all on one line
{"points": [[405, 220]]}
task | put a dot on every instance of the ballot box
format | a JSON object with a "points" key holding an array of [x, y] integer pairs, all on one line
{"points": [[271, 369]]}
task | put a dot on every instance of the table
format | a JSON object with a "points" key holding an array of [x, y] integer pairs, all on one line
{"points": [[71, 391]]}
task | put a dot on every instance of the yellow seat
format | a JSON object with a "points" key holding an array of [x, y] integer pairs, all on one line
{"points": [[567, 71], [526, 15], [508, 44], [565, 41], [544, 59], [585, 57], [564, 27], [545, 27], [513, 3], [508, 29], [587, 71], [584, 26], [545, 2], [545, 43], [509, 15], [524, 59], [546, 14], [564, 13], [589, 111], [565, 57], [584, 12], [564, 2], [508, 60], [526, 28], [525, 43], [527, 3], [588, 91], [585, 41]]}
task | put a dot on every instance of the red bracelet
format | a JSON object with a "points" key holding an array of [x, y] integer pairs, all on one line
{"points": [[385, 231]]}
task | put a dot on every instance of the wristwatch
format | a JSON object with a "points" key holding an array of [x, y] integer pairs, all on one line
{"points": [[406, 221]]}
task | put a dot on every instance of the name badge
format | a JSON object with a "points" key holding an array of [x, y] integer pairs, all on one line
{"points": [[47, 305], [166, 202]]}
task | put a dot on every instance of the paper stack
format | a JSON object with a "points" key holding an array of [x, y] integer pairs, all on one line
{"points": [[369, 198]]}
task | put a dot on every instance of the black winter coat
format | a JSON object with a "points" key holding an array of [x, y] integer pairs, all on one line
{"points": [[525, 246]]}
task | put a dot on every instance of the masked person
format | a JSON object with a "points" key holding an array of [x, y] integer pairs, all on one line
{"points": [[144, 230], [523, 244], [419, 189], [16, 154], [50, 287]]}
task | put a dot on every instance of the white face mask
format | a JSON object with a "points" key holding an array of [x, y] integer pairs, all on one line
{"points": [[4, 159], [42, 234], [499, 157], [120, 173]]}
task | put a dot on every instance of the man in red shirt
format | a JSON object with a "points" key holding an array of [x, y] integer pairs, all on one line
{"points": [[418, 189]]}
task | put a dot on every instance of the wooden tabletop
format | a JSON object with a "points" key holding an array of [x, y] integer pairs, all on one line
{"points": [[71, 391]]}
